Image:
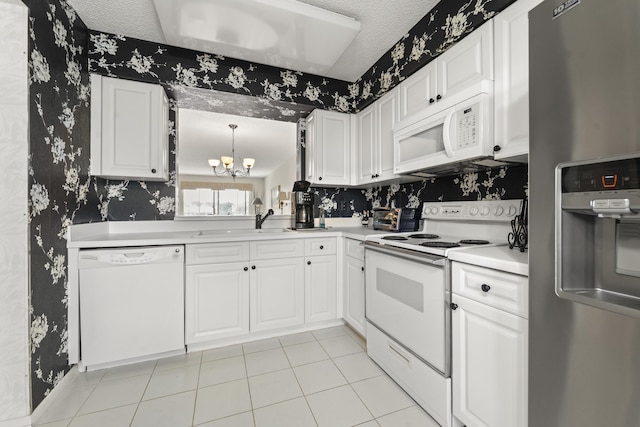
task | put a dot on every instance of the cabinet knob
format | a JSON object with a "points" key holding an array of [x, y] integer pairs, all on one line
{"points": [[319, 178], [439, 97], [321, 247], [362, 268], [253, 267], [453, 306], [373, 176], [177, 250], [246, 269], [431, 100], [377, 175], [153, 171], [497, 148], [308, 262], [485, 287]]}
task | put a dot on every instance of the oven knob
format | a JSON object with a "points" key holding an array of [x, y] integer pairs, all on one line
{"points": [[434, 210], [512, 210], [484, 211], [499, 211], [474, 211]]}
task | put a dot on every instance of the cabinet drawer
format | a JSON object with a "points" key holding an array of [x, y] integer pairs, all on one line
{"points": [[207, 253], [324, 246], [431, 390], [354, 248], [504, 291], [271, 249]]}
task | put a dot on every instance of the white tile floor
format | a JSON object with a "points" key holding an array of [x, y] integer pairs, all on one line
{"points": [[321, 378]]}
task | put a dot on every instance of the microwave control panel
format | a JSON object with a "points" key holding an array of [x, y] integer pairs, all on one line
{"points": [[468, 126]]}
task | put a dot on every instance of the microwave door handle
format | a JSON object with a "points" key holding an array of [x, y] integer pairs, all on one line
{"points": [[446, 133]]}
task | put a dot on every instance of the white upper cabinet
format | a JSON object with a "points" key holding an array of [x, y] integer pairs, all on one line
{"points": [[328, 148], [460, 70], [512, 80], [129, 129], [375, 139], [367, 156]]}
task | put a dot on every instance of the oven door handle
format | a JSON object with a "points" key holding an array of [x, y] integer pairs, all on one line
{"points": [[420, 257]]}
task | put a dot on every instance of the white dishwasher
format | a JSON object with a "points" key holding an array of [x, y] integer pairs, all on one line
{"points": [[131, 304]]}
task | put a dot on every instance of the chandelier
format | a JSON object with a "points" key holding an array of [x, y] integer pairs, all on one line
{"points": [[227, 169]]}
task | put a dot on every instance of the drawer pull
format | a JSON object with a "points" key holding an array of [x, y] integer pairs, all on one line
{"points": [[321, 247], [246, 268], [253, 267], [398, 354], [308, 262], [485, 287]]}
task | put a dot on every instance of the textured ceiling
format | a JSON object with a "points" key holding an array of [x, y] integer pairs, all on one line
{"points": [[383, 22]]}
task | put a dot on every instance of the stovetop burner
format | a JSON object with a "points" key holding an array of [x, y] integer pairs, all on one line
{"points": [[474, 242], [440, 244], [394, 238], [424, 236]]}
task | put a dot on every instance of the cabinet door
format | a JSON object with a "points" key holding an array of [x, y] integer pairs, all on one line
{"points": [[418, 91], [367, 155], [217, 301], [354, 293], [388, 116], [489, 362], [277, 293], [470, 61], [129, 129], [320, 288], [332, 148], [310, 149], [511, 29]]}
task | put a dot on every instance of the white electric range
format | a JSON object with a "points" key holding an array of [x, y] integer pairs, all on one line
{"points": [[408, 284]]}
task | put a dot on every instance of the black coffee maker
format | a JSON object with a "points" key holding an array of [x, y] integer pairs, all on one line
{"points": [[303, 217]]}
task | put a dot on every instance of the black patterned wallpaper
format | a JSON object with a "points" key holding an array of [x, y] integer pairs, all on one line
{"points": [[62, 52], [505, 183]]}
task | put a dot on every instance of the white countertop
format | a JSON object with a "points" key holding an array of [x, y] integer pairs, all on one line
{"points": [[496, 257], [100, 236]]}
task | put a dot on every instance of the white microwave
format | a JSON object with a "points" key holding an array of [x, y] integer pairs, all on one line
{"points": [[446, 141]]}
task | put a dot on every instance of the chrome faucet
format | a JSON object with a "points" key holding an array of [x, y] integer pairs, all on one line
{"points": [[260, 219]]}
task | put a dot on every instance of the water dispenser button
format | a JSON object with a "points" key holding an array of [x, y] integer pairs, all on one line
{"points": [[600, 204]]}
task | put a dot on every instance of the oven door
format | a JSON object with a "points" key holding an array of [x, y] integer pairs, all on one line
{"points": [[407, 297]]}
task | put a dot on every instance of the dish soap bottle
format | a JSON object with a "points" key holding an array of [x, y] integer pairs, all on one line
{"points": [[321, 219]]}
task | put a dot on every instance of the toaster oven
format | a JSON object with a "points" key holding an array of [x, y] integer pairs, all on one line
{"points": [[396, 219]]}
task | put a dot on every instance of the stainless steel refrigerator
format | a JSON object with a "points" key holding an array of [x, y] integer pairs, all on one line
{"points": [[584, 247]]}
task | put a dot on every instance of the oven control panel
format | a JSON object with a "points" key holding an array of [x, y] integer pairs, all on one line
{"points": [[486, 210]]}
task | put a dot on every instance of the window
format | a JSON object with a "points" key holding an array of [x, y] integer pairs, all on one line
{"points": [[216, 201]]}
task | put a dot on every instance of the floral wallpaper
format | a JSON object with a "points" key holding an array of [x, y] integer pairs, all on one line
{"points": [[60, 190], [128, 58], [505, 183]]}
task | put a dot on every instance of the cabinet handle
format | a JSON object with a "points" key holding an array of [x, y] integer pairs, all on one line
{"points": [[497, 148], [321, 247], [153, 171], [453, 306], [253, 267], [485, 287], [308, 262], [431, 100], [439, 97], [246, 269]]}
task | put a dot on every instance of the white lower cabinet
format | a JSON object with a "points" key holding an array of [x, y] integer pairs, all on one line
{"points": [[237, 288], [489, 351], [276, 293], [217, 301], [354, 285], [320, 286]]}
